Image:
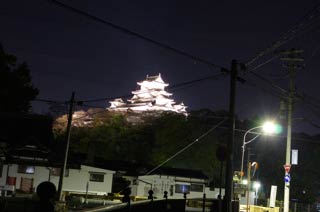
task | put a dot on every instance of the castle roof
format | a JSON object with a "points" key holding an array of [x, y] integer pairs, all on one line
{"points": [[151, 95]]}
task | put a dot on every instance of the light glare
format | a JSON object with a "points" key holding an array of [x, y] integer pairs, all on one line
{"points": [[256, 185], [269, 127]]}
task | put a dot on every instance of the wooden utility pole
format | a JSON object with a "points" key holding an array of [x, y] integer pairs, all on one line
{"points": [[229, 166], [63, 169]]}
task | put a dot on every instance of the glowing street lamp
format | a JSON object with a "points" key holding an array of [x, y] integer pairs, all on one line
{"points": [[245, 182], [256, 186], [267, 128]]}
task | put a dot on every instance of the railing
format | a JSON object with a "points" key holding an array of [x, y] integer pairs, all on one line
{"points": [[162, 205]]}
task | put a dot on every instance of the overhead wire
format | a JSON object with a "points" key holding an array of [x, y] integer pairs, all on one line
{"points": [[259, 76], [264, 63], [49, 101], [145, 38], [83, 102], [263, 89], [275, 136], [186, 147], [312, 15], [175, 86], [290, 34]]}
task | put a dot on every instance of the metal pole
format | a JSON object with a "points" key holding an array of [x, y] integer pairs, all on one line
{"points": [[248, 185], [67, 147], [242, 159], [244, 146], [220, 186], [87, 190], [204, 203], [229, 166]]}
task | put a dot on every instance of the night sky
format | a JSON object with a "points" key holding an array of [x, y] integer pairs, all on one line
{"points": [[69, 52]]}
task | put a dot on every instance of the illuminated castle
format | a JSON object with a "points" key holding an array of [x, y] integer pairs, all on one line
{"points": [[151, 96]]}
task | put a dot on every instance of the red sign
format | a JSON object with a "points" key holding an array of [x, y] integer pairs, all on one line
{"points": [[287, 167]]}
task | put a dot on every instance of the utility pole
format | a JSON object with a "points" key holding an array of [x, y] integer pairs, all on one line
{"points": [[291, 57], [63, 169], [229, 166]]}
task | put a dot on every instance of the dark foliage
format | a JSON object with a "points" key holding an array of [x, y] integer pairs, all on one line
{"points": [[16, 89]]}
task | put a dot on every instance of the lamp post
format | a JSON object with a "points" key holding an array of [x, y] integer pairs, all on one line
{"points": [[267, 128]]}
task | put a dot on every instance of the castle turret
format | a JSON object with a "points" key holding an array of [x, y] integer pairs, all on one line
{"points": [[151, 96]]}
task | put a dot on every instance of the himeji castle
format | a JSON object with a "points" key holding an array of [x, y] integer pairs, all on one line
{"points": [[151, 96]]}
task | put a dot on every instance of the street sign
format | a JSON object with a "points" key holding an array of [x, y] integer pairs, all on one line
{"points": [[273, 196], [294, 157], [287, 168], [287, 178]]}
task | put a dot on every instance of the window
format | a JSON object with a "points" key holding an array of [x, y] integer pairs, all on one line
{"points": [[97, 177], [57, 171], [25, 169], [171, 190], [182, 188], [1, 168], [196, 187]]}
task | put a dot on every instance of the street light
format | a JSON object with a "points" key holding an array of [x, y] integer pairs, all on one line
{"points": [[268, 128], [256, 186]]}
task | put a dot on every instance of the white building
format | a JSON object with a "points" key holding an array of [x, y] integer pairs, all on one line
{"points": [[175, 181], [26, 173], [151, 96]]}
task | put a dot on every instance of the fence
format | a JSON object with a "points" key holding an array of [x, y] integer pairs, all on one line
{"points": [[163, 205], [302, 207]]}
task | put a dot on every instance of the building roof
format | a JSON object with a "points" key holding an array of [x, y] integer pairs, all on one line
{"points": [[181, 173]]}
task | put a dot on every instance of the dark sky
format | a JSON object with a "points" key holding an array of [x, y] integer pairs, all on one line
{"points": [[69, 52]]}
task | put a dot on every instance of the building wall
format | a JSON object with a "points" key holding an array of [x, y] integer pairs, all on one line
{"points": [[213, 194], [76, 181], [40, 174], [166, 183]]}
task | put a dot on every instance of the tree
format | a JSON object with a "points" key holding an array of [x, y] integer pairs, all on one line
{"points": [[16, 89]]}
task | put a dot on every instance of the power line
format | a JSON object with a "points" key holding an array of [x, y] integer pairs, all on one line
{"points": [[216, 76], [82, 102], [264, 63], [186, 147], [263, 89], [173, 87], [276, 136], [50, 101], [312, 15], [130, 32], [259, 76], [313, 108]]}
